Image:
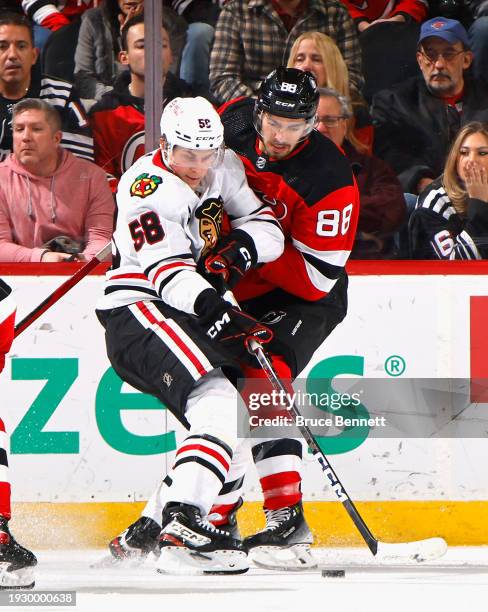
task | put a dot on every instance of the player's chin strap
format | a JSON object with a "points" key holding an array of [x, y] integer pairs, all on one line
{"points": [[420, 550]]}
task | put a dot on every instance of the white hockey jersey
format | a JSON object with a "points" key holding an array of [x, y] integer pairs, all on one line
{"points": [[163, 227]]}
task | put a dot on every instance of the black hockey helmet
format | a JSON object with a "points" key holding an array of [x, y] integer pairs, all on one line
{"points": [[288, 92]]}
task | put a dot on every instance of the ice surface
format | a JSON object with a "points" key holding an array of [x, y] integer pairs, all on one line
{"points": [[456, 582]]}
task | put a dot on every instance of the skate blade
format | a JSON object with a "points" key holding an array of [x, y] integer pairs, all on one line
{"points": [[178, 560], [295, 558], [18, 579]]}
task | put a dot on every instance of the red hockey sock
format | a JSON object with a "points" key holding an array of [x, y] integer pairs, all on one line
{"points": [[283, 487], [5, 510]]}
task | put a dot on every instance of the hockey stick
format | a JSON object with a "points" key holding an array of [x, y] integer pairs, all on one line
{"points": [[62, 290], [420, 550]]}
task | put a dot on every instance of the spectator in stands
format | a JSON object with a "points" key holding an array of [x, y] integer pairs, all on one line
{"points": [[473, 14], [17, 81], [201, 16], [118, 119], [318, 53], [387, 24], [451, 217], [99, 45], [50, 200], [252, 38], [478, 36], [51, 15], [416, 121], [56, 14], [382, 209]]}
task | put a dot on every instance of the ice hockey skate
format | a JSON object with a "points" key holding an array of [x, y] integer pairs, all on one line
{"points": [[189, 544], [134, 545], [16, 562], [285, 541]]}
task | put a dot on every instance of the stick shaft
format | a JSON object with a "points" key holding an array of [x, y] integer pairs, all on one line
{"points": [[60, 291], [334, 481]]}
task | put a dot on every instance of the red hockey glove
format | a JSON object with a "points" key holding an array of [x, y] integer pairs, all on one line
{"points": [[231, 327], [233, 256]]}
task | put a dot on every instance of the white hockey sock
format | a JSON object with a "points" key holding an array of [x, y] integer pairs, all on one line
{"points": [[203, 459]]}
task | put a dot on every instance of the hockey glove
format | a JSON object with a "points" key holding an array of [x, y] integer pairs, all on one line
{"points": [[233, 256], [231, 327]]}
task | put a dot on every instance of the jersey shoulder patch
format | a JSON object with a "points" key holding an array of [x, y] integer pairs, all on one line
{"points": [[145, 184]]}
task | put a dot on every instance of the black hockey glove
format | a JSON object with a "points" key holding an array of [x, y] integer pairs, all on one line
{"points": [[231, 327], [232, 257]]}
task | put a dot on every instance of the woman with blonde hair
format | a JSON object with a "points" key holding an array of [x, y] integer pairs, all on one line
{"points": [[319, 54], [450, 220]]}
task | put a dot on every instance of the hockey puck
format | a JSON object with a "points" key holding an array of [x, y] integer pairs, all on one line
{"points": [[336, 573]]}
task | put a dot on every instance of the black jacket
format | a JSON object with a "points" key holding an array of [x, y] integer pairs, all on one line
{"points": [[414, 129]]}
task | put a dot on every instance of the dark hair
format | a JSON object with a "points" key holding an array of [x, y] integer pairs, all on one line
{"points": [[16, 19], [52, 115], [140, 19]]}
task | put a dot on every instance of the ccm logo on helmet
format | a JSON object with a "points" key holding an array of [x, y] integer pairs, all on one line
{"points": [[289, 87], [285, 104]]}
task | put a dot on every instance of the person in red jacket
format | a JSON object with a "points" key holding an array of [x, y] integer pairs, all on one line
{"points": [[58, 13], [16, 562], [392, 25]]}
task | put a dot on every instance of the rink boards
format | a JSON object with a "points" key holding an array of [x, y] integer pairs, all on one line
{"points": [[87, 449]]}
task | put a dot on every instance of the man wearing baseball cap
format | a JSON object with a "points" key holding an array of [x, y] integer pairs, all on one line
{"points": [[416, 121]]}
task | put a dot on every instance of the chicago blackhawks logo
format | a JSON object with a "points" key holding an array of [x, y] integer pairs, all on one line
{"points": [[145, 185], [210, 214]]}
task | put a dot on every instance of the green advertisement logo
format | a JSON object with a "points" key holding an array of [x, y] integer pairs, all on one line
{"points": [[319, 381], [31, 436]]}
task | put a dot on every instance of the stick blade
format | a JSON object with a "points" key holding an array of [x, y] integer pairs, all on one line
{"points": [[419, 551]]}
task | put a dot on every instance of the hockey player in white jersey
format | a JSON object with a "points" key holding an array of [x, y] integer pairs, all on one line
{"points": [[170, 333]]}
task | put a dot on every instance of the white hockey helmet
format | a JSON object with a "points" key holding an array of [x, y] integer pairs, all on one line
{"points": [[192, 123]]}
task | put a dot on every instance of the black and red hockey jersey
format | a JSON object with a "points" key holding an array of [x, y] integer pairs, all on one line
{"points": [[370, 10], [117, 121], [7, 320], [54, 14], [314, 196]]}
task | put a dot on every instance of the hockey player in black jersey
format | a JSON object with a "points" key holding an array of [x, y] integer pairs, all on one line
{"points": [[170, 333], [309, 184]]}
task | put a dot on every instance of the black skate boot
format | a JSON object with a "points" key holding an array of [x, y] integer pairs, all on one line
{"points": [[285, 541], [137, 541], [16, 562], [190, 544], [230, 522]]}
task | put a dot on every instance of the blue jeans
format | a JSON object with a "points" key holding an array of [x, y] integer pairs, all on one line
{"points": [[40, 36], [196, 56], [478, 35]]}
